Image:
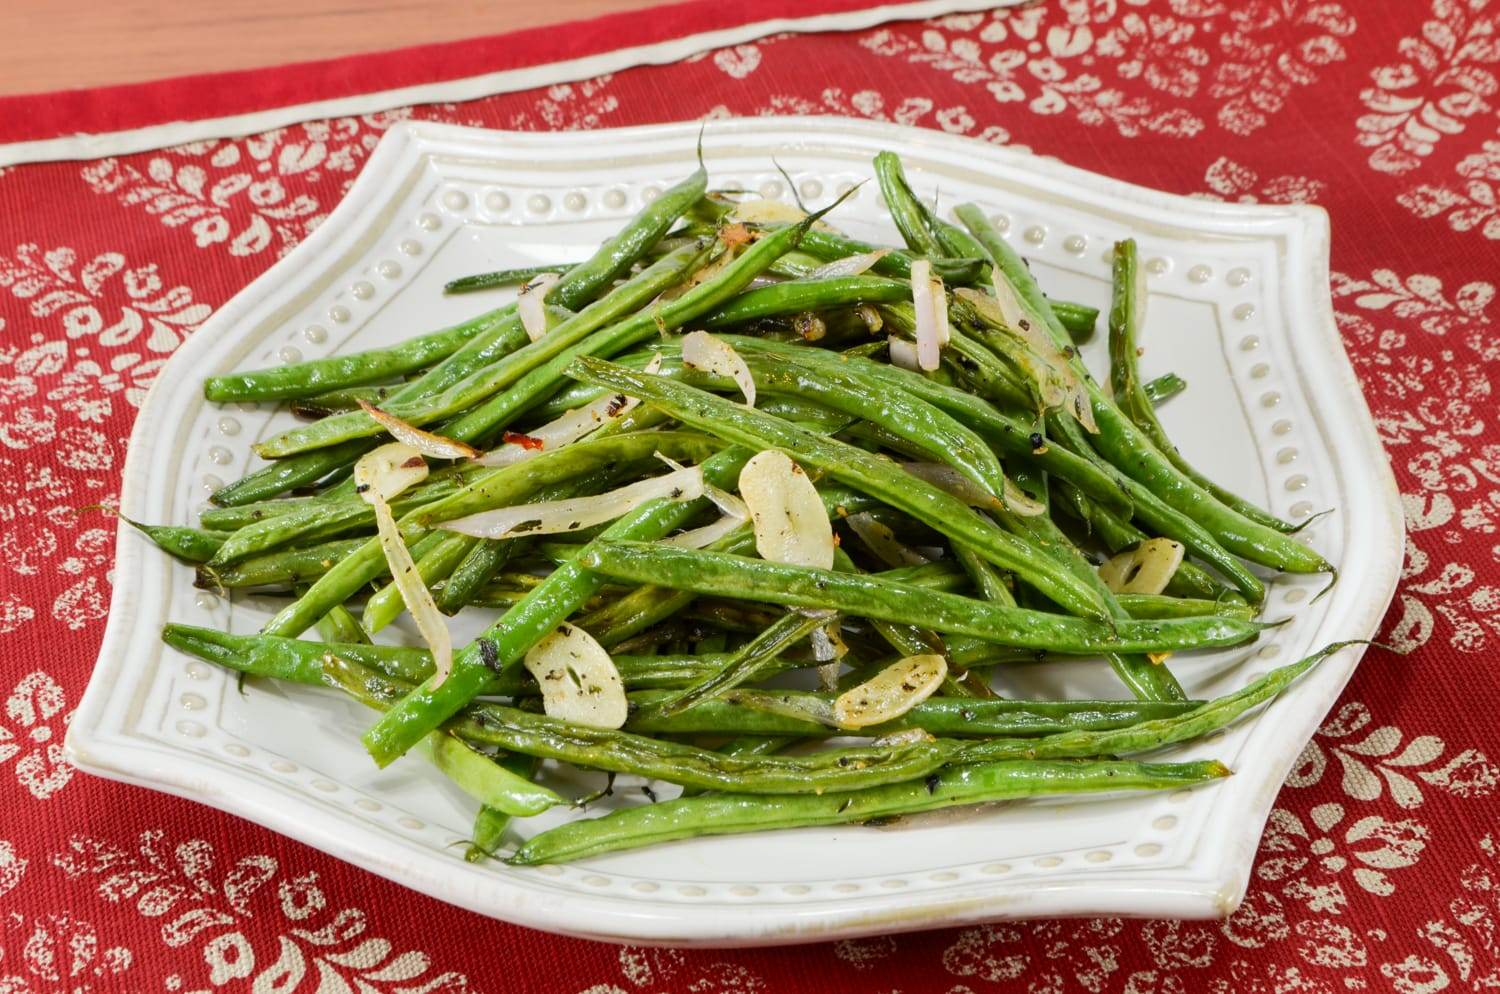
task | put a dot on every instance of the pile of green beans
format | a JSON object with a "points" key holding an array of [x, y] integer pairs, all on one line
{"points": [[727, 658]]}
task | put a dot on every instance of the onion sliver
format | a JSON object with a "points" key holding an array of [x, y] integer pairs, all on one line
{"points": [[903, 354], [1146, 569], [698, 538], [945, 477], [568, 428], [380, 475], [931, 307], [579, 681], [716, 357], [849, 265], [531, 305], [558, 516], [425, 442], [791, 525], [389, 470], [883, 542], [1029, 328], [734, 514], [892, 692]]}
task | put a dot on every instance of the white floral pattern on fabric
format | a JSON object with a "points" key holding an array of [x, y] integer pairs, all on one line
{"points": [[209, 908], [1048, 57], [31, 733], [1471, 204], [236, 193], [1446, 79]]}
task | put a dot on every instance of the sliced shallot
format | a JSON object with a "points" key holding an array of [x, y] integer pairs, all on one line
{"points": [[568, 428], [931, 307], [531, 304], [892, 692], [849, 265], [903, 354], [378, 477], [553, 517], [579, 681], [945, 477], [883, 542], [733, 514], [425, 442], [701, 350], [790, 523]]}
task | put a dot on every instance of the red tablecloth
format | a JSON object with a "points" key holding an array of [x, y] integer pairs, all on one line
{"points": [[1380, 869]]}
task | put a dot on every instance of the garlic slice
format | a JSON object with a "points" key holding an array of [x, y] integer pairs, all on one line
{"points": [[892, 692], [1146, 569], [579, 681], [791, 525]]}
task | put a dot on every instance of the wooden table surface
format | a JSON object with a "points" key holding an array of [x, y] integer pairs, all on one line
{"points": [[47, 46]]}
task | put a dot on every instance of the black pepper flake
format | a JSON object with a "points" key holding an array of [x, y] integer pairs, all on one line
{"points": [[489, 654], [362, 488], [1025, 324], [529, 525], [1037, 441], [932, 783]]}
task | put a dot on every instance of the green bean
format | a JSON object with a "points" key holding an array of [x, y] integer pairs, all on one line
{"points": [[499, 488], [476, 569], [806, 713], [338, 625], [746, 664], [1124, 377], [1077, 319], [852, 466], [1010, 435], [301, 661], [1162, 606], [288, 474], [306, 379], [1164, 388], [504, 277], [906, 211], [1129, 449], [1154, 734], [488, 782], [541, 382], [503, 644], [534, 734], [725, 814], [337, 401], [434, 563], [278, 568], [191, 545], [323, 518], [796, 296], [490, 823], [724, 575], [232, 519], [490, 379]]}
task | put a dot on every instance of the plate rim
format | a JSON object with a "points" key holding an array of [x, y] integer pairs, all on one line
{"points": [[1157, 894]]}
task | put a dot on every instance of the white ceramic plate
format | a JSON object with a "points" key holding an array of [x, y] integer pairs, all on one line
{"points": [[1239, 306]]}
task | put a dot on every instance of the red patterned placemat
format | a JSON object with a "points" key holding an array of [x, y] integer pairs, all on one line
{"points": [[1379, 869]]}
